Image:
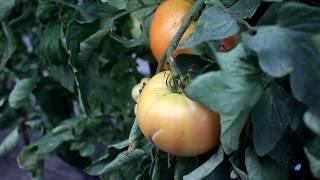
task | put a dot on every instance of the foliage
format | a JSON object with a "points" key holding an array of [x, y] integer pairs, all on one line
{"points": [[67, 69]]}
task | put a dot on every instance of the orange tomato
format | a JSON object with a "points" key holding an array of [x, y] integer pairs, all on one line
{"points": [[165, 23]]}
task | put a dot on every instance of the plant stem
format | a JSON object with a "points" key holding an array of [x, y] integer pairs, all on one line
{"points": [[176, 39]]}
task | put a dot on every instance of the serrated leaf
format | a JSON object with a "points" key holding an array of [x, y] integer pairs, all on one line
{"points": [[121, 160], [213, 24], [231, 128], [21, 91], [270, 118], [312, 122], [225, 92], [5, 8], [9, 43], [9, 143], [244, 9], [262, 169], [207, 167]]}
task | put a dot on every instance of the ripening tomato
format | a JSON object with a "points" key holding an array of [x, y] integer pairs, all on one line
{"points": [[165, 23], [175, 123], [229, 42]]}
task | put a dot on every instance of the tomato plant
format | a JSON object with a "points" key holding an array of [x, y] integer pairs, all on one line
{"points": [[241, 99]]}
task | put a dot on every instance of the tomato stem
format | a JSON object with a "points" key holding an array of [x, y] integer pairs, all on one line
{"points": [[176, 39]]}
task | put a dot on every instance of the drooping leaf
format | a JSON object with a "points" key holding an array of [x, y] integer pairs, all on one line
{"points": [[263, 168], [9, 143], [231, 128], [270, 118], [21, 91], [136, 135], [225, 92], [213, 24], [207, 167], [121, 160], [10, 43]]}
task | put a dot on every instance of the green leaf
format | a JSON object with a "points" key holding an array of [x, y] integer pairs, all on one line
{"points": [[263, 168], [312, 152], [50, 48], [274, 39], [28, 159], [312, 122], [300, 17], [87, 150], [64, 75], [22, 91], [184, 166], [225, 92], [5, 8], [156, 172], [231, 128], [121, 160], [94, 40], [135, 136], [207, 167], [213, 24], [9, 143], [270, 119], [244, 9], [9, 41], [286, 151], [235, 59], [119, 4], [45, 9], [52, 141], [235, 165]]}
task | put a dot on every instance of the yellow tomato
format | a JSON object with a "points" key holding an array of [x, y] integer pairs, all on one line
{"points": [[175, 123]]}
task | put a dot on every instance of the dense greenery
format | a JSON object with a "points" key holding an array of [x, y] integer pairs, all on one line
{"points": [[67, 68]]}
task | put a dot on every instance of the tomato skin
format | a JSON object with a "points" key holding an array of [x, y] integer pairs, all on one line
{"points": [[229, 42], [135, 92], [165, 23], [175, 123]]}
